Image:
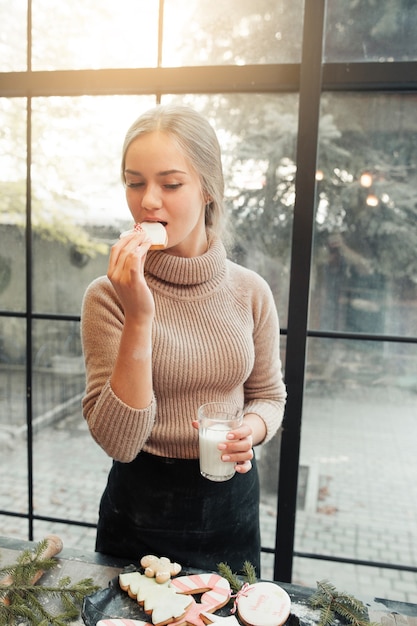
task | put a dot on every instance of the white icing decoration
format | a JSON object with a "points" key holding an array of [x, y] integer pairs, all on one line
{"points": [[157, 598]]}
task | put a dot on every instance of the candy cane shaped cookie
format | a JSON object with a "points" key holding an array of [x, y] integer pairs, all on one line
{"points": [[216, 593], [215, 589], [208, 618]]}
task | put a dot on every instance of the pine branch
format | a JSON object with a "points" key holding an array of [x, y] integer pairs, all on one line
{"points": [[326, 615], [28, 564], [249, 572], [20, 599], [232, 579], [332, 603], [249, 575], [29, 602]]}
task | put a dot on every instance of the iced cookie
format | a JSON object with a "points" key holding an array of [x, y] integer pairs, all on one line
{"points": [[264, 604]]}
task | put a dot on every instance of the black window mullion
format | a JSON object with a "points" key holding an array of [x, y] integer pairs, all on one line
{"points": [[29, 318], [28, 278], [302, 240]]}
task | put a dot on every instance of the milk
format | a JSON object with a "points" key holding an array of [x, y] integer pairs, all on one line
{"points": [[211, 465], [215, 420]]}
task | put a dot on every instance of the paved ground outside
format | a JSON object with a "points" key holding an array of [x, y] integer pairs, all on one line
{"points": [[360, 495]]}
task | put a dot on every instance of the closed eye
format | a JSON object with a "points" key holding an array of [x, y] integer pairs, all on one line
{"points": [[170, 186], [133, 185]]}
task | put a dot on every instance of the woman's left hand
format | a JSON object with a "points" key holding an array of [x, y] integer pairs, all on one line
{"points": [[238, 447]]}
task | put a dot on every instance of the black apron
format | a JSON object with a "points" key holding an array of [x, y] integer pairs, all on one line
{"points": [[164, 507]]}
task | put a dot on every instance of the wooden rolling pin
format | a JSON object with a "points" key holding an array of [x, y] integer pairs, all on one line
{"points": [[53, 547]]}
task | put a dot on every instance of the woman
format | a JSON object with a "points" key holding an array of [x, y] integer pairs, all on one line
{"points": [[169, 330]]}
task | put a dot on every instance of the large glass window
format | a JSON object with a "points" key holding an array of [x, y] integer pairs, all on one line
{"points": [[359, 403], [62, 205]]}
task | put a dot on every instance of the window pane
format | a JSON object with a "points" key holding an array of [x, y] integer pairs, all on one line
{"points": [[13, 453], [12, 203], [65, 457], [86, 34], [233, 32], [78, 199], [370, 31], [358, 447], [13, 36], [72, 536], [365, 266]]}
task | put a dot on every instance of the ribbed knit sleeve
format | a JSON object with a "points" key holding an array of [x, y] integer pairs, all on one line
{"points": [[119, 429], [264, 389]]}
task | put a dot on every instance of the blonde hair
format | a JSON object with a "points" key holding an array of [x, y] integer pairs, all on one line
{"points": [[198, 142]]}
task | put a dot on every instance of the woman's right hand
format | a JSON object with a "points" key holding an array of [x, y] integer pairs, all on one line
{"points": [[131, 378], [126, 273]]}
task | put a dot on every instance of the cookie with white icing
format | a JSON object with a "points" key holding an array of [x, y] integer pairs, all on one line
{"points": [[264, 604], [159, 600], [154, 230]]}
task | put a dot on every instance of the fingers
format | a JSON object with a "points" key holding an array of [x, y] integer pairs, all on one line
{"points": [[126, 272], [127, 255], [238, 448], [243, 467], [237, 455], [132, 242]]}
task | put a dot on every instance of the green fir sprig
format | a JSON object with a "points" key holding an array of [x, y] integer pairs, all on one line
{"points": [[28, 564], [20, 600], [333, 603], [236, 582]]}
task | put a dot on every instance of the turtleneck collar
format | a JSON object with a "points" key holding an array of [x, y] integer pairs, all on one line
{"points": [[183, 276]]}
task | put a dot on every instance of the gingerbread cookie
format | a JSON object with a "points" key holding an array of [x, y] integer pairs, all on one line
{"points": [[159, 567]]}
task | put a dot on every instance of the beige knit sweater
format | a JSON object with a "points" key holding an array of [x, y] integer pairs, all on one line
{"points": [[215, 337]]}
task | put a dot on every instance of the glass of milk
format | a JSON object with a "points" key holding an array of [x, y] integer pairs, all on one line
{"points": [[215, 420]]}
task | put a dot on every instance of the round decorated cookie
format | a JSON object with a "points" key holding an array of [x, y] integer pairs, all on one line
{"points": [[264, 604]]}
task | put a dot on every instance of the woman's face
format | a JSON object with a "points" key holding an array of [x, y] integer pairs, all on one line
{"points": [[162, 186]]}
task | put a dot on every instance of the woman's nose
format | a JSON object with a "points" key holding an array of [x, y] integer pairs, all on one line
{"points": [[151, 198]]}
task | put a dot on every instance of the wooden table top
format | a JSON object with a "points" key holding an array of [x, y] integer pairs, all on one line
{"points": [[78, 564]]}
